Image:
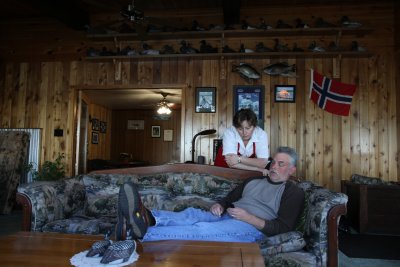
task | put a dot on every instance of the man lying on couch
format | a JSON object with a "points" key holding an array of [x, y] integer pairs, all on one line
{"points": [[260, 206]]}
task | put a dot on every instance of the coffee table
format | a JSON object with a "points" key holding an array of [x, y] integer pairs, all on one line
{"points": [[52, 249]]}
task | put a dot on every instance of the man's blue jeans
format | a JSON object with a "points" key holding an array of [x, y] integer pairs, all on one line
{"points": [[196, 224]]}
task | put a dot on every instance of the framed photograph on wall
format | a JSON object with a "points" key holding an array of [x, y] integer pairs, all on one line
{"points": [[252, 97], [285, 93], [168, 135], [95, 125], [95, 137], [155, 131], [103, 127], [205, 100]]}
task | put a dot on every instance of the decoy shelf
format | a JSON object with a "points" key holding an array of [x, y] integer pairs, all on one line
{"points": [[225, 36]]}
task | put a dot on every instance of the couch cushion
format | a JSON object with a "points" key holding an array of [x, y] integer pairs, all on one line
{"points": [[177, 191], [74, 198], [102, 193]]}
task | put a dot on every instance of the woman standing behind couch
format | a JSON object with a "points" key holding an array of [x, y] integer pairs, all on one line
{"points": [[244, 145]]}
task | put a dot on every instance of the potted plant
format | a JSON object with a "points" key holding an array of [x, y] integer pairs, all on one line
{"points": [[50, 170]]}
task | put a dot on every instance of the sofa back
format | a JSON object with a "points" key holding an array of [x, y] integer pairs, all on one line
{"points": [[167, 191]]}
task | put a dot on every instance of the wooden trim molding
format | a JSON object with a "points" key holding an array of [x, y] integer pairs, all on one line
{"points": [[26, 205]]}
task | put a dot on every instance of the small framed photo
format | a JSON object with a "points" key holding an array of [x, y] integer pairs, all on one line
{"points": [[95, 137], [155, 131], [103, 127], [252, 97], [205, 100], [168, 135], [285, 93], [95, 125]]}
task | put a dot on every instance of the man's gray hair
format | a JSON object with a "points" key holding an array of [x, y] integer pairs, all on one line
{"points": [[289, 151]]}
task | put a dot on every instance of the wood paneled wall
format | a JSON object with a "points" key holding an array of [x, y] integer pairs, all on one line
{"points": [[140, 143], [330, 147], [101, 150]]}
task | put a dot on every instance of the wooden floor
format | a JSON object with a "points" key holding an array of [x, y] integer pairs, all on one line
{"points": [[10, 223]]}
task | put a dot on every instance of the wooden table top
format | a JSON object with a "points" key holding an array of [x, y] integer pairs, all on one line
{"points": [[52, 249]]}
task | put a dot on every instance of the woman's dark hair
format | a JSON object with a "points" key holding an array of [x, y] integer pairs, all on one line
{"points": [[244, 115]]}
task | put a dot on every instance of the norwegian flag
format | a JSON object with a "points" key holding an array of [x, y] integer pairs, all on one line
{"points": [[332, 96]]}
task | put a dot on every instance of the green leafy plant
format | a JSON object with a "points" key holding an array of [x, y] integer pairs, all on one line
{"points": [[50, 170]]}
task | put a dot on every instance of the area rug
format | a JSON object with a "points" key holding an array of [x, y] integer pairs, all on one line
{"points": [[370, 246]]}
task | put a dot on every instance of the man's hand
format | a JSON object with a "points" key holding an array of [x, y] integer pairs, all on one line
{"points": [[239, 213], [243, 215], [217, 209]]}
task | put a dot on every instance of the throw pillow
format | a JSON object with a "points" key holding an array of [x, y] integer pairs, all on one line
{"points": [[102, 195], [286, 242]]}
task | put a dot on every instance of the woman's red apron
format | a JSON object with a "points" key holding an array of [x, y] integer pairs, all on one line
{"points": [[220, 159]]}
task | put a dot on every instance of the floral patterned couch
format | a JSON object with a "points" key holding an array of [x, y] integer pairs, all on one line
{"points": [[86, 204]]}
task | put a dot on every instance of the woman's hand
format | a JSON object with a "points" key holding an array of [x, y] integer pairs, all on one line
{"points": [[265, 172], [217, 209], [232, 159]]}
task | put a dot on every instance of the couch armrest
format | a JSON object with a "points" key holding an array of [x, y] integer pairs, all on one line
{"points": [[333, 221], [324, 208], [44, 202]]}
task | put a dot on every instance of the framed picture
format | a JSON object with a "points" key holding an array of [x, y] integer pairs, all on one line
{"points": [[252, 97], [103, 127], [95, 137], [135, 124], [205, 100], [168, 135], [285, 93], [95, 125], [155, 131]]}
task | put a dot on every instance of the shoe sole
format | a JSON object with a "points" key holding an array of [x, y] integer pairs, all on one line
{"points": [[130, 204]]}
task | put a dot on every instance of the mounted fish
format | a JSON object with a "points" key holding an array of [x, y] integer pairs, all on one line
{"points": [[246, 71], [281, 69]]}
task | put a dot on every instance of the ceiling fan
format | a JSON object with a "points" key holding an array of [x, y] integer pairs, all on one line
{"points": [[132, 20], [164, 107], [133, 14]]}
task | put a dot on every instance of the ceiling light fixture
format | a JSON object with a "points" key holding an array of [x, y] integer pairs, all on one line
{"points": [[163, 108]]}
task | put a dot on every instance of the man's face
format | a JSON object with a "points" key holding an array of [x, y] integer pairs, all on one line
{"points": [[281, 168], [245, 131]]}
